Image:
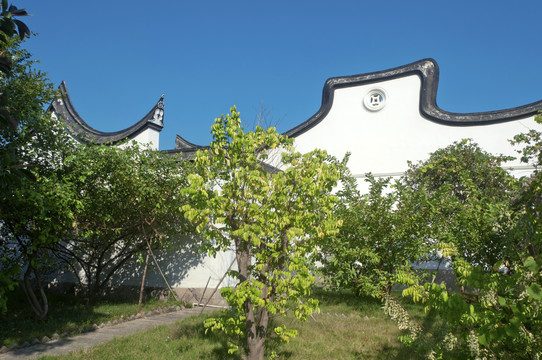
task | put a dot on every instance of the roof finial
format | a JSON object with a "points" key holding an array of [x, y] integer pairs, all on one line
{"points": [[161, 102]]}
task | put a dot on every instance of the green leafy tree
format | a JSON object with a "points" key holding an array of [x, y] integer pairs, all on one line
{"points": [[9, 28], [487, 228], [125, 201], [379, 239], [470, 193], [271, 219], [23, 93], [35, 211]]}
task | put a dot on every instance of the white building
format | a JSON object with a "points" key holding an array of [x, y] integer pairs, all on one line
{"points": [[383, 119]]}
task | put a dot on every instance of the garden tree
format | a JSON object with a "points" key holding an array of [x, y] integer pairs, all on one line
{"points": [[529, 202], [9, 28], [500, 317], [34, 213], [379, 239], [471, 195], [23, 93], [271, 219], [125, 200]]}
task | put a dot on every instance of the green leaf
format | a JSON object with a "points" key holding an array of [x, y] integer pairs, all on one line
{"points": [[535, 291], [22, 28], [516, 323], [531, 264]]}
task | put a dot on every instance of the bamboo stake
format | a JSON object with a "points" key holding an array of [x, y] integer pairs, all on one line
{"points": [[204, 290], [143, 280], [216, 288], [161, 273]]}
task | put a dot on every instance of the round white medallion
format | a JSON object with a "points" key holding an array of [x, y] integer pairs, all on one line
{"points": [[375, 99]]}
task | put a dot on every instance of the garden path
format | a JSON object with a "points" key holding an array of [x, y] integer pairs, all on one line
{"points": [[100, 335]]}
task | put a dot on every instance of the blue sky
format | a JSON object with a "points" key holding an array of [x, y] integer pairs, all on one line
{"points": [[117, 57]]}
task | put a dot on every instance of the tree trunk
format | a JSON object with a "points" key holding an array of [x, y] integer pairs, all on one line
{"points": [[257, 334], [256, 322], [143, 280], [256, 348], [93, 290], [40, 309]]}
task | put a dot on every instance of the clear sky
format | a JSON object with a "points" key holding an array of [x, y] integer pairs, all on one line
{"points": [[117, 57]]}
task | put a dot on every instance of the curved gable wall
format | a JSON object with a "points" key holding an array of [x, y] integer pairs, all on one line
{"points": [[405, 128], [146, 131]]}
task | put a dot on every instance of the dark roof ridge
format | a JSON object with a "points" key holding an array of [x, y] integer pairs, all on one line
{"points": [[428, 71], [183, 144], [63, 107]]}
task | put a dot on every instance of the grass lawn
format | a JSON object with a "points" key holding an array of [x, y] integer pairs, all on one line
{"points": [[346, 328], [67, 315]]}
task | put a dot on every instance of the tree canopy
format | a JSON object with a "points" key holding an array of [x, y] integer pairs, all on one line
{"points": [[123, 199], [379, 240], [470, 193], [272, 219], [24, 173], [487, 228]]}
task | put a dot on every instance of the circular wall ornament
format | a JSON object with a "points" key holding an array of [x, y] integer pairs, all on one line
{"points": [[375, 99]]}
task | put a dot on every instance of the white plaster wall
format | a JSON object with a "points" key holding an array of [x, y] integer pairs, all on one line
{"points": [[182, 267], [211, 269], [382, 142], [182, 264], [150, 137]]}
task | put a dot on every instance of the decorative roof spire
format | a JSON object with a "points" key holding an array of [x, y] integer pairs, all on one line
{"points": [[158, 116]]}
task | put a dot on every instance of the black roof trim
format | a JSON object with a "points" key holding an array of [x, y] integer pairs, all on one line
{"points": [[184, 145], [190, 154], [427, 70], [63, 107]]}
